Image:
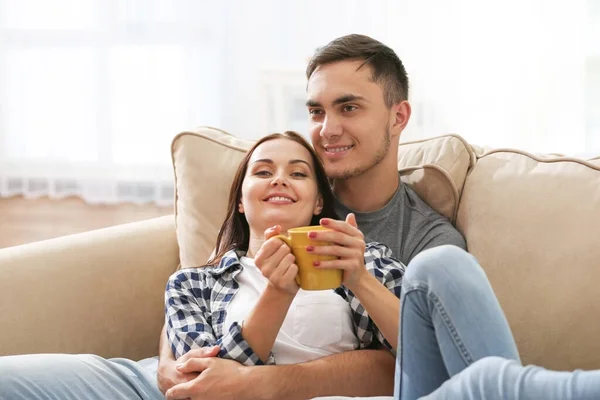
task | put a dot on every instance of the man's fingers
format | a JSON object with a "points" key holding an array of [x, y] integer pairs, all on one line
{"points": [[194, 365], [180, 391], [203, 352]]}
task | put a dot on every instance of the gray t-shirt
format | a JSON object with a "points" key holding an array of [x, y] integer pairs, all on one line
{"points": [[426, 228]]}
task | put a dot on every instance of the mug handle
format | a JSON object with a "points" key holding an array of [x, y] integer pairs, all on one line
{"points": [[288, 241]]}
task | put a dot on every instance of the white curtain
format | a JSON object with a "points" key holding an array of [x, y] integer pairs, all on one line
{"points": [[92, 91]]}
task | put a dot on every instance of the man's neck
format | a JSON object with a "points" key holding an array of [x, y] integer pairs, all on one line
{"points": [[369, 191]]}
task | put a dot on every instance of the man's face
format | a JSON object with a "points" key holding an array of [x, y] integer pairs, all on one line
{"points": [[349, 121]]}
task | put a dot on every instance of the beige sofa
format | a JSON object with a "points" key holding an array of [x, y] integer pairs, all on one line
{"points": [[532, 221]]}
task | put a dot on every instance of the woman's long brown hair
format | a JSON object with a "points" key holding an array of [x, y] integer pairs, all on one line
{"points": [[235, 232]]}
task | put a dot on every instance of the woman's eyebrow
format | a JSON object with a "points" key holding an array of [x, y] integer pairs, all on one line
{"points": [[294, 161], [265, 160], [297, 161]]}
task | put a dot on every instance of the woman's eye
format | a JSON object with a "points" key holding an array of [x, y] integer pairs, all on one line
{"points": [[299, 174], [262, 173]]}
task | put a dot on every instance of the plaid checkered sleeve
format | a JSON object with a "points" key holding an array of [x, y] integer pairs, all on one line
{"points": [[389, 271], [191, 322]]}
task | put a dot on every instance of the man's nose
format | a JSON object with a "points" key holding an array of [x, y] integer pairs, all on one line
{"points": [[331, 127]]}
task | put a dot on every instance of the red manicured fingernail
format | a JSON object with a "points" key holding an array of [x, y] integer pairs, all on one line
{"points": [[316, 263], [309, 248], [324, 222], [312, 235]]}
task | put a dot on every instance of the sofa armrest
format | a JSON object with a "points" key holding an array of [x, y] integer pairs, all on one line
{"points": [[98, 292]]}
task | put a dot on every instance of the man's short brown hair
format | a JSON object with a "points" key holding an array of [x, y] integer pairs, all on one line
{"points": [[388, 70]]}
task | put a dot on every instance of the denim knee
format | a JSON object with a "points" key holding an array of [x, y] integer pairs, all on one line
{"points": [[441, 263]]}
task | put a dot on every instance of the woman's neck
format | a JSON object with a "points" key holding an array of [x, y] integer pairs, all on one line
{"points": [[254, 245]]}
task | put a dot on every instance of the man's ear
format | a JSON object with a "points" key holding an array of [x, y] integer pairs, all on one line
{"points": [[402, 113], [318, 206]]}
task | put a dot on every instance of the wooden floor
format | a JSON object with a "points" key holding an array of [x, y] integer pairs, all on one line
{"points": [[29, 220]]}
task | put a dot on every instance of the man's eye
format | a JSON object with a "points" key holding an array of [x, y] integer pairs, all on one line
{"points": [[315, 112], [348, 108]]}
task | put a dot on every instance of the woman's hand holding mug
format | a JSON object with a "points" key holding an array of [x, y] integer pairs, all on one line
{"points": [[348, 245], [277, 263]]}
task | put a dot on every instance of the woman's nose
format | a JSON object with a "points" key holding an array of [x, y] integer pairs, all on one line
{"points": [[278, 180]]}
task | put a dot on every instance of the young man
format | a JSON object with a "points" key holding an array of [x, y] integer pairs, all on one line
{"points": [[357, 101]]}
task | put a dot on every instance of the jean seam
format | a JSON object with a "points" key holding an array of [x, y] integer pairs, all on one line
{"points": [[458, 342]]}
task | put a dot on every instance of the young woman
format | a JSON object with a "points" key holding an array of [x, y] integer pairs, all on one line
{"points": [[247, 300]]}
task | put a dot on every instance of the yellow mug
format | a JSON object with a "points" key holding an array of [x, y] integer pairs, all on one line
{"points": [[309, 277]]}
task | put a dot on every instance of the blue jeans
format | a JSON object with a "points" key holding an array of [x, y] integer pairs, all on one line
{"points": [[75, 377], [455, 342]]}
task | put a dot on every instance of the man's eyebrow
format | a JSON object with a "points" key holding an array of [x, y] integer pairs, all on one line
{"points": [[312, 103], [347, 98], [340, 100]]}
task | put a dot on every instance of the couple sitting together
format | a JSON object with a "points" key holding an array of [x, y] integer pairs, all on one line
{"points": [[414, 315]]}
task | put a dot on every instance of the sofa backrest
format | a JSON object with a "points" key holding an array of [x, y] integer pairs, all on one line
{"points": [[533, 222]]}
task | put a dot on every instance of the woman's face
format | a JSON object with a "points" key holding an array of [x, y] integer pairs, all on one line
{"points": [[280, 187]]}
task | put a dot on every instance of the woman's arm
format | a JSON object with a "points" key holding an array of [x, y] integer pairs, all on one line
{"points": [[379, 292], [276, 263], [262, 326]]}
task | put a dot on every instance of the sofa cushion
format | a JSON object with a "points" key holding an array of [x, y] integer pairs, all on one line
{"points": [[205, 161], [436, 168], [533, 223]]}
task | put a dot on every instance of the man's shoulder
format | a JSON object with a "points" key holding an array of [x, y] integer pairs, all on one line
{"points": [[418, 205], [429, 227]]}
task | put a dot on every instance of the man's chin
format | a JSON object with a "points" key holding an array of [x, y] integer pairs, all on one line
{"points": [[342, 174]]}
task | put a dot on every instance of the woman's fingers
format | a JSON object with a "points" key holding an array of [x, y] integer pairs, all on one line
{"points": [[351, 220], [268, 248], [348, 226], [337, 251], [350, 265], [289, 275], [272, 231]]}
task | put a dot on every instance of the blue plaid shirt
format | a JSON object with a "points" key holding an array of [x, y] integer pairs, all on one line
{"points": [[196, 300]]}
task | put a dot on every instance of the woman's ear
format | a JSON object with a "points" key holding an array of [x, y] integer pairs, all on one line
{"points": [[319, 206], [241, 207]]}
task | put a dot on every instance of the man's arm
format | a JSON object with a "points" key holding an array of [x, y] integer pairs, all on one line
{"points": [[353, 373], [433, 234], [167, 375]]}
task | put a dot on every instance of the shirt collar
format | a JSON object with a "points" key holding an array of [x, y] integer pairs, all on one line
{"points": [[230, 260]]}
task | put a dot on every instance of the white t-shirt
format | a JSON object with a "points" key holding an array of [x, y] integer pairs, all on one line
{"points": [[318, 323]]}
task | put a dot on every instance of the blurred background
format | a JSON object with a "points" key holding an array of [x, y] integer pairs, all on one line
{"points": [[93, 91]]}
